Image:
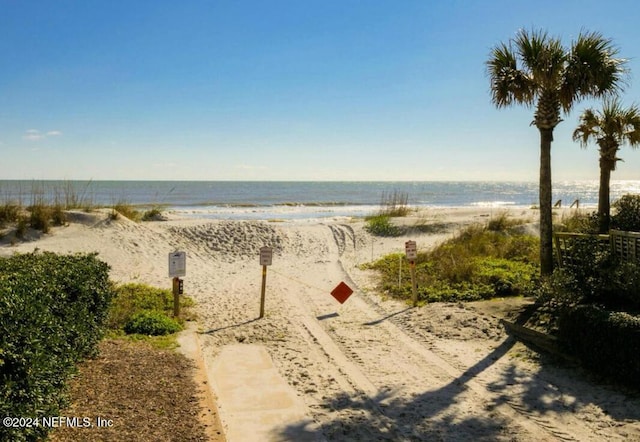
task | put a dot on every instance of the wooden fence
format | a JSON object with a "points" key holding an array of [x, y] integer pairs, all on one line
{"points": [[626, 245]]}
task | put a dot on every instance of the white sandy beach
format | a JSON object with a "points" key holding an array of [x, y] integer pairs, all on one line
{"points": [[370, 369]]}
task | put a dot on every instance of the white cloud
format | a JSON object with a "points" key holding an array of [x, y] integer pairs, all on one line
{"points": [[32, 135], [36, 135]]}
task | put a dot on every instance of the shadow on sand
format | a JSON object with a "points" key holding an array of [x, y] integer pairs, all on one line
{"points": [[227, 327], [434, 415]]}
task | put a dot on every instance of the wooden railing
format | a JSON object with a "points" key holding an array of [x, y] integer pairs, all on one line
{"points": [[626, 245], [564, 242]]}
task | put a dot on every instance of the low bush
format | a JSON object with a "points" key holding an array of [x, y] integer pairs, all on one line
{"points": [[606, 342], [52, 312], [626, 214], [593, 274], [152, 323], [133, 299]]}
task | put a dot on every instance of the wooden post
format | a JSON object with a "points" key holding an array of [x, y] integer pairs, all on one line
{"points": [[414, 285], [262, 291], [176, 297]]}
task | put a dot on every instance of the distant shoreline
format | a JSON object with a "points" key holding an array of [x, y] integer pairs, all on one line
{"points": [[230, 198]]}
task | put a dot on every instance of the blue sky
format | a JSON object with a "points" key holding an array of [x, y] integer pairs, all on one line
{"points": [[283, 90]]}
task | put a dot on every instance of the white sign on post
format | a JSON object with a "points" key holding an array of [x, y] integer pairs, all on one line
{"points": [[411, 250], [266, 255], [177, 264]]}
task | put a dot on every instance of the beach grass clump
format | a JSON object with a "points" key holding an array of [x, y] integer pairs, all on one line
{"points": [[125, 209], [70, 198], [58, 215], [476, 264], [21, 227], [394, 204], [381, 225], [503, 222], [578, 222], [153, 214], [40, 217], [9, 212]]}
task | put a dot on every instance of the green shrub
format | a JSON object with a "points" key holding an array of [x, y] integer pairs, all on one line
{"points": [[626, 213], [52, 311], [380, 225], [623, 284], [589, 262], [594, 275], [606, 342], [559, 292], [152, 323], [133, 298]]}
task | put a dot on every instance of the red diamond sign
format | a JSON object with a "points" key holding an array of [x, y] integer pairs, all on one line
{"points": [[342, 292]]}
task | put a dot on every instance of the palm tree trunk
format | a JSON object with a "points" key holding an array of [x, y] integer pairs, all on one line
{"points": [[604, 205], [546, 223]]}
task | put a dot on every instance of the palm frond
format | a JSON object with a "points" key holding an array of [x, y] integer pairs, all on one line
{"points": [[542, 55], [592, 69], [589, 128], [508, 84], [614, 125]]}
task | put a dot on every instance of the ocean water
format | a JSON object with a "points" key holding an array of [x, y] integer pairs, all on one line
{"points": [[291, 200]]}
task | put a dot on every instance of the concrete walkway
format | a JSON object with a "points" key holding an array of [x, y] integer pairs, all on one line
{"points": [[254, 401]]}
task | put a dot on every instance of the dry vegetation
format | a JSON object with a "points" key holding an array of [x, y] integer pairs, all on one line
{"points": [[149, 394]]}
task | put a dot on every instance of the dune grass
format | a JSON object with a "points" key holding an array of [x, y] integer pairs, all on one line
{"points": [[394, 204], [479, 263], [124, 208], [46, 207]]}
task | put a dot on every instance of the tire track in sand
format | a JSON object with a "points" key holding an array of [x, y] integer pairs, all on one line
{"points": [[413, 392]]}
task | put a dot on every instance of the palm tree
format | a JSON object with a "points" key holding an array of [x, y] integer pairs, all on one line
{"points": [[609, 128], [535, 70]]}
